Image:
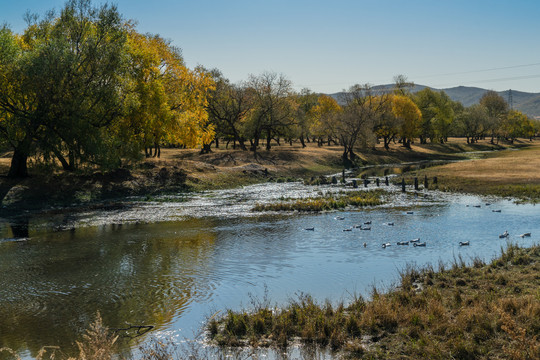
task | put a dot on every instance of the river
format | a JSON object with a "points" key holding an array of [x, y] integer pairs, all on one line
{"points": [[175, 261]]}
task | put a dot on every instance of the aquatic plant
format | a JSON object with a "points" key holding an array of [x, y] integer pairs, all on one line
{"points": [[327, 202]]}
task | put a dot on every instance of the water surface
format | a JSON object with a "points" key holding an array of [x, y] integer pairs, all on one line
{"points": [[172, 264]]}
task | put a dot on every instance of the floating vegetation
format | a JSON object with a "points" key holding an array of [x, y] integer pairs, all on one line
{"points": [[327, 202]]}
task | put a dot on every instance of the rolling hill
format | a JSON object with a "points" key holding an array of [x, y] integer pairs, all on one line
{"points": [[528, 103]]}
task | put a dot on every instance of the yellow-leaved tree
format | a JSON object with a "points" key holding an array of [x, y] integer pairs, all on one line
{"points": [[167, 101], [409, 116], [325, 119]]}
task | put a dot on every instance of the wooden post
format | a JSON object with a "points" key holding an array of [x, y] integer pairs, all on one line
{"points": [[386, 180], [435, 180], [365, 182], [402, 184], [425, 182], [354, 184], [334, 180], [377, 182], [415, 183], [343, 176]]}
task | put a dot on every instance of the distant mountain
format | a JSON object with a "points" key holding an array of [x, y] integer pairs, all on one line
{"points": [[528, 103]]}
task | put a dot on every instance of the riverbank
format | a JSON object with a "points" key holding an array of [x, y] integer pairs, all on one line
{"points": [[187, 170], [482, 311]]}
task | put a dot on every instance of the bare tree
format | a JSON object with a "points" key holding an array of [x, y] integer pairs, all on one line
{"points": [[361, 107], [273, 107]]}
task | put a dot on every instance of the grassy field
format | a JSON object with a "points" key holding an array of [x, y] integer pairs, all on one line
{"points": [[510, 173], [482, 311]]}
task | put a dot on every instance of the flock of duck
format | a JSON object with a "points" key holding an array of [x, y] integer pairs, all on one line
{"points": [[416, 242], [365, 226]]}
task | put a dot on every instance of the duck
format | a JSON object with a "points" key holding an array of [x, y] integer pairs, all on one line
{"points": [[339, 218], [403, 243], [464, 243], [410, 212], [525, 235], [477, 206], [505, 234], [349, 229], [365, 244], [420, 244], [366, 228], [390, 224], [497, 211], [310, 229], [357, 226], [415, 240], [367, 222], [385, 245]]}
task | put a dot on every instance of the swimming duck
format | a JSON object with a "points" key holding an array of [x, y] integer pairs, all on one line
{"points": [[403, 243], [420, 244], [464, 243]]}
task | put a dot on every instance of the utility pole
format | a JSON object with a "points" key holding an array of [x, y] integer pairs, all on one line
{"points": [[510, 100]]}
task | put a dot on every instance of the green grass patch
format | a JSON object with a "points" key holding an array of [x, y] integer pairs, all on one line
{"points": [[328, 202]]}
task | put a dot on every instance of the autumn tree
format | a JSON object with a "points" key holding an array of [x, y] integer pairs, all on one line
{"points": [[496, 108], [472, 122], [385, 124], [437, 114], [409, 117], [228, 108], [516, 124], [61, 85], [355, 126], [167, 102], [273, 107], [325, 115], [306, 101]]}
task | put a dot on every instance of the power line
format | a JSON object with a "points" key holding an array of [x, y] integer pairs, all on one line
{"points": [[478, 71]]}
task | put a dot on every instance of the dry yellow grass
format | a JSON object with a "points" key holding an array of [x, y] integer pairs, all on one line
{"points": [[514, 173]]}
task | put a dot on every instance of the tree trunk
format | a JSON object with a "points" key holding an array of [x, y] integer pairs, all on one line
{"points": [[386, 140], [206, 148], [217, 142], [302, 141], [19, 167], [268, 139], [65, 165]]}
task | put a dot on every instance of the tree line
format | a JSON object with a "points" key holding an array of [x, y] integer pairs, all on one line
{"points": [[84, 88], [265, 108]]}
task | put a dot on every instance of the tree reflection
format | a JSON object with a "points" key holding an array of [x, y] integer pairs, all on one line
{"points": [[52, 288]]}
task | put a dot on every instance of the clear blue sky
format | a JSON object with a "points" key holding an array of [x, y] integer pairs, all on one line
{"points": [[329, 45]]}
